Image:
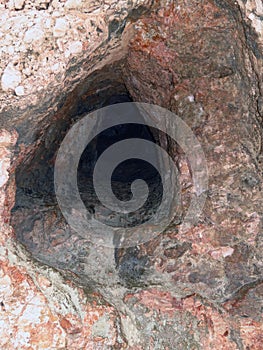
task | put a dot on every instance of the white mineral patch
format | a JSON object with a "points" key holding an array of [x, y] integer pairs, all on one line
{"points": [[73, 4], [18, 4], [11, 78], [60, 28], [34, 35], [19, 90], [191, 98], [75, 47]]}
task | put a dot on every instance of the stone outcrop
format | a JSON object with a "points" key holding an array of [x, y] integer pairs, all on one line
{"points": [[195, 289]]}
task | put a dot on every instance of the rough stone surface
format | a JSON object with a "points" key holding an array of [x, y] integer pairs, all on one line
{"points": [[199, 289]]}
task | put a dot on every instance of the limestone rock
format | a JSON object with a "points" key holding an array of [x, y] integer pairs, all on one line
{"points": [[73, 4], [19, 90], [16, 4], [11, 78], [34, 35], [19, 4], [60, 28], [74, 48]]}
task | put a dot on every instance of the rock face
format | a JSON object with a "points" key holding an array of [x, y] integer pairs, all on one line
{"points": [[195, 289]]}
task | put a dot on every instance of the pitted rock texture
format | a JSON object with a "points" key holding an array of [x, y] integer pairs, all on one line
{"points": [[195, 289], [40, 309]]}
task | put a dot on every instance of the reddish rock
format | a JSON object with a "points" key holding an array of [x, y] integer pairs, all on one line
{"points": [[194, 288]]}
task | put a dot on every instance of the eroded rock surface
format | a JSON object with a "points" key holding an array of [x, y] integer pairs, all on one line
{"points": [[195, 289]]}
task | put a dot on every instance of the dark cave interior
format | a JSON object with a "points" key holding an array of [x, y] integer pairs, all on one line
{"points": [[35, 194]]}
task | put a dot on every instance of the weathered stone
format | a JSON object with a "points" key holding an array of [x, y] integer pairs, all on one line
{"points": [[194, 289]]}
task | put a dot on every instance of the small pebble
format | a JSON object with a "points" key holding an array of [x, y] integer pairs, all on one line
{"points": [[11, 78], [75, 47], [19, 4], [19, 91], [60, 28], [34, 35]]}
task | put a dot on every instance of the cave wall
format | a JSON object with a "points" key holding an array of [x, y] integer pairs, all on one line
{"points": [[201, 288]]}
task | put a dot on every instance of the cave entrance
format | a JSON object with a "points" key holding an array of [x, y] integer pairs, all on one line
{"points": [[36, 217]]}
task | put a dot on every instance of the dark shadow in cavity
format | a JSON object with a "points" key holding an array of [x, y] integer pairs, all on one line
{"points": [[123, 175]]}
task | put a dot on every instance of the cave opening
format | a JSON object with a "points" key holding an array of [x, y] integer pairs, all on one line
{"points": [[200, 60], [36, 217]]}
